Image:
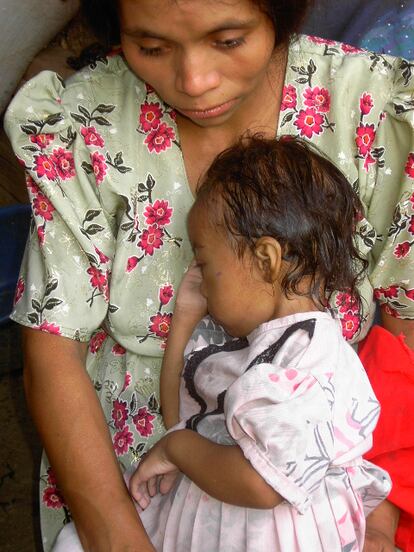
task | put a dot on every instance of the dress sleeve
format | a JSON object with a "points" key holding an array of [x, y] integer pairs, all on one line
{"points": [[281, 419], [391, 207], [63, 286]]}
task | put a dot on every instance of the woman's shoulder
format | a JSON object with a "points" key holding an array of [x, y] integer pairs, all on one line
{"points": [[46, 95], [340, 60]]}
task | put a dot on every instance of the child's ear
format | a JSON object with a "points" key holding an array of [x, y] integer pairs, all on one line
{"points": [[268, 255]]}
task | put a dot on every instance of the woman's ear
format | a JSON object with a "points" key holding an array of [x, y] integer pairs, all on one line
{"points": [[268, 255]]}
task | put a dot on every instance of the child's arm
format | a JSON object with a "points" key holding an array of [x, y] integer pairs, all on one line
{"points": [[190, 308], [221, 471]]}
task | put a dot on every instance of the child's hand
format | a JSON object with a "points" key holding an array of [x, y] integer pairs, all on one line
{"points": [[376, 541], [190, 301], [155, 471]]}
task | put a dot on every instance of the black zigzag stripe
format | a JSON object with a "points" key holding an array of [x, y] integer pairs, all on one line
{"points": [[191, 367], [269, 354]]}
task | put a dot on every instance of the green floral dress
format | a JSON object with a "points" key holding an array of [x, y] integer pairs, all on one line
{"points": [[108, 243]]}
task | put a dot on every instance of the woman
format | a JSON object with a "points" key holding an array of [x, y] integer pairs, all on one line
{"points": [[113, 164]]}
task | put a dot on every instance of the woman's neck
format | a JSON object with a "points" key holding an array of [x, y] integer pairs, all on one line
{"points": [[259, 113]]}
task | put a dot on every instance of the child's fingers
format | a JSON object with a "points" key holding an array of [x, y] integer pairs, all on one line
{"points": [[152, 486], [140, 495], [167, 482]]}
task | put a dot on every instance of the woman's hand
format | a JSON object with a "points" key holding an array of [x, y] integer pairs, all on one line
{"points": [[377, 541], [155, 472], [381, 526], [190, 301]]}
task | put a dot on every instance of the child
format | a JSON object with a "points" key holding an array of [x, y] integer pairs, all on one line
{"points": [[274, 422]]}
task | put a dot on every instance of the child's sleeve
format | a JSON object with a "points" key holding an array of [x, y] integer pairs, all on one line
{"points": [[281, 419]]}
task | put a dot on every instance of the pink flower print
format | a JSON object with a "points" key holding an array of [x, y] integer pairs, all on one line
{"points": [[98, 278], [120, 413], [309, 122], [131, 263], [92, 137], [318, 40], [122, 441], [49, 328], [52, 498], [51, 477], [392, 312], [151, 239], [41, 140], [42, 207], [150, 116], [149, 88], [102, 257], [369, 160], [411, 225], [409, 169], [97, 340], [19, 291], [31, 185], [166, 294], [127, 381], [41, 234], [64, 163], [348, 49], [402, 250], [160, 139], [410, 294], [44, 167], [319, 98], [289, 100], [118, 350], [143, 422], [365, 138], [159, 213], [390, 292], [160, 324], [350, 324], [366, 103], [99, 166], [346, 302]]}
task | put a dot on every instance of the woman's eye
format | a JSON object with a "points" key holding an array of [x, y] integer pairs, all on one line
{"points": [[230, 43], [150, 51]]}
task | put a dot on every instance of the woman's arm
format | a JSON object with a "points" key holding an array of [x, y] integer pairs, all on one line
{"points": [[70, 421], [189, 309], [221, 471]]}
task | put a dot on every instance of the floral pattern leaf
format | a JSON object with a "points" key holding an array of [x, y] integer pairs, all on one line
{"points": [[36, 305], [87, 167], [54, 118], [105, 108], [102, 121], [33, 318], [113, 308], [79, 119], [133, 404], [84, 111], [153, 405], [94, 229], [28, 129], [51, 286], [52, 303], [91, 214]]}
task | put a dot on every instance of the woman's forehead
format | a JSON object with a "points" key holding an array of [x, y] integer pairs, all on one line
{"points": [[140, 15]]}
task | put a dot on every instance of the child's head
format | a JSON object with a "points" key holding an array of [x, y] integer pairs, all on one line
{"points": [[273, 223]]}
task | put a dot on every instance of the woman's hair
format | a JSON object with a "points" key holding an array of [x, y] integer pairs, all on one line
{"points": [[283, 188], [286, 16]]}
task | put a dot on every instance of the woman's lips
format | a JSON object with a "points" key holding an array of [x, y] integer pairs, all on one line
{"points": [[208, 113]]}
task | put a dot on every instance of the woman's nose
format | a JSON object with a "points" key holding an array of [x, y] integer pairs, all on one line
{"points": [[196, 75]]}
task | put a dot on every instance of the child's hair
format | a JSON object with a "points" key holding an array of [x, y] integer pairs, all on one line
{"points": [[284, 189]]}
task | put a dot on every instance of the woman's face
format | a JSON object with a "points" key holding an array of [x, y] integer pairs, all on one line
{"points": [[206, 58]]}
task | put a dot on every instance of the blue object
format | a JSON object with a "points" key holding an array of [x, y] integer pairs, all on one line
{"points": [[14, 229]]}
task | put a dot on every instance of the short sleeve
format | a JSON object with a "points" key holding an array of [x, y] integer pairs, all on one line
{"points": [[391, 208], [63, 287], [281, 419]]}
